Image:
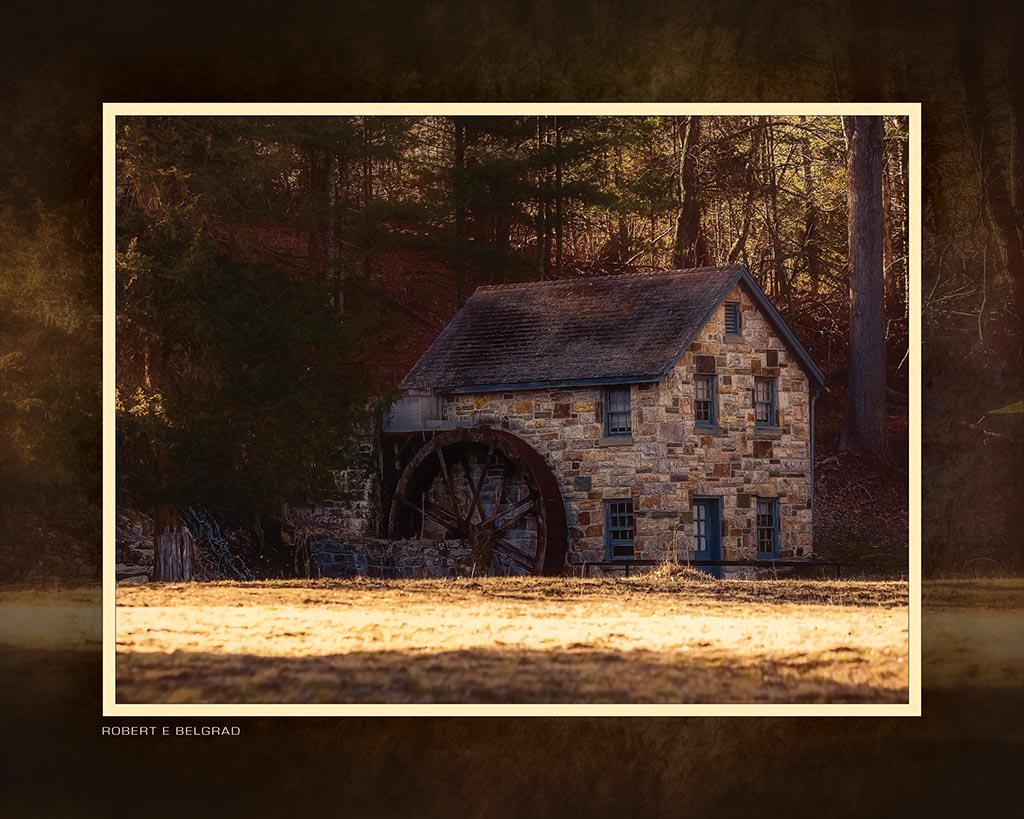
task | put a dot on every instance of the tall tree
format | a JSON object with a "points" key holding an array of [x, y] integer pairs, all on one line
{"points": [[690, 246], [459, 130], [864, 426]]}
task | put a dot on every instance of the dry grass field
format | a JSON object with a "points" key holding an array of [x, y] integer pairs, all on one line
{"points": [[960, 758], [490, 640]]}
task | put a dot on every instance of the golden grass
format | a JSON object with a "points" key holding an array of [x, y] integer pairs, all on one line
{"points": [[653, 638]]}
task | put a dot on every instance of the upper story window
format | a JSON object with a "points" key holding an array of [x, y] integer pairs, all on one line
{"points": [[704, 409], [764, 402], [767, 527], [618, 528], [732, 318], [618, 413]]}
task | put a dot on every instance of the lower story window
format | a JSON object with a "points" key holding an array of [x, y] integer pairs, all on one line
{"points": [[618, 528], [767, 527], [700, 527]]}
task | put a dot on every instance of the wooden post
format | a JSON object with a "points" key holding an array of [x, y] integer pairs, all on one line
{"points": [[173, 547]]}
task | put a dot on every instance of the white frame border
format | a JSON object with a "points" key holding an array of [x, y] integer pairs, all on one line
{"points": [[112, 110]]}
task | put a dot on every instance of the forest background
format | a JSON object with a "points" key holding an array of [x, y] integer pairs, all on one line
{"points": [[276, 277]]}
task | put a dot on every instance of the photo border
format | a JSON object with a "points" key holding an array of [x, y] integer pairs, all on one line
{"points": [[111, 708]]}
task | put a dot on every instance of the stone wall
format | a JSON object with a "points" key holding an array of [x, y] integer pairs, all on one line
{"points": [[669, 460], [371, 557], [351, 512]]}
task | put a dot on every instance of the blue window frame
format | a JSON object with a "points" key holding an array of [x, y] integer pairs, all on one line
{"points": [[767, 528], [618, 412], [764, 402], [732, 318], [618, 529], [705, 411]]}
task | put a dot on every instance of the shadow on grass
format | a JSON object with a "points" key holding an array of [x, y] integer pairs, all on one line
{"points": [[583, 675]]}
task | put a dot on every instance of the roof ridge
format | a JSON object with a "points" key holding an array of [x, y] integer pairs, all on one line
{"points": [[632, 275]]}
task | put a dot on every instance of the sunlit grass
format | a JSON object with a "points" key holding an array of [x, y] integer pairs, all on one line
{"points": [[642, 639]]}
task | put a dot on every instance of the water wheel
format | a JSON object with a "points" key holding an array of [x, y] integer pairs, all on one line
{"points": [[491, 489]]}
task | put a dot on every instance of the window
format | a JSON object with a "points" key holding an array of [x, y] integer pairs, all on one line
{"points": [[617, 412], [767, 527], [618, 528], [764, 402], [700, 527], [732, 318], [704, 413]]}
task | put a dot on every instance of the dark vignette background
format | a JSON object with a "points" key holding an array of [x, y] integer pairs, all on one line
{"points": [[59, 62]]}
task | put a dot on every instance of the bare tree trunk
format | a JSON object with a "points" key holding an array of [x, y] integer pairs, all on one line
{"points": [[330, 239], [559, 228], [315, 182], [690, 245], [888, 257], [367, 189], [864, 425], [780, 277], [460, 211], [750, 176], [547, 188], [811, 241], [541, 227]]}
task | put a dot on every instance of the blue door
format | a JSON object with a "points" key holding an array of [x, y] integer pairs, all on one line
{"points": [[707, 533]]}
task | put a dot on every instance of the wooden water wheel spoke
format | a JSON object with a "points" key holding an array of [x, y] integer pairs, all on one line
{"points": [[479, 484], [503, 475], [510, 522], [448, 483], [475, 506], [514, 553], [440, 516], [499, 513]]}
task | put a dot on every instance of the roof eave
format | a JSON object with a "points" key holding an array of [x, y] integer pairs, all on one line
{"points": [[562, 383]]}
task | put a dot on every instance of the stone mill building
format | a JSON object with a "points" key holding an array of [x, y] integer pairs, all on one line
{"points": [[650, 416]]}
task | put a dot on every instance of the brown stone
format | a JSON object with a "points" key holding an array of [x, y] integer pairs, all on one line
{"points": [[524, 407], [771, 358], [561, 411], [762, 449], [705, 364]]}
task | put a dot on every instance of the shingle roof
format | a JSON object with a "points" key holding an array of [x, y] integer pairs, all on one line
{"points": [[573, 332]]}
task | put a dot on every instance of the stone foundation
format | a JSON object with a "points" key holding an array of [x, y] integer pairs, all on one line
{"points": [[390, 558], [351, 512]]}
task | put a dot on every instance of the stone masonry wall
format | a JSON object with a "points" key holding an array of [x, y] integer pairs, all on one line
{"points": [[350, 513], [669, 460]]}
